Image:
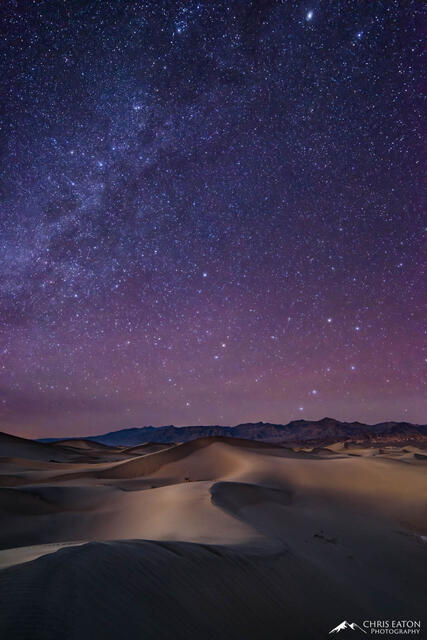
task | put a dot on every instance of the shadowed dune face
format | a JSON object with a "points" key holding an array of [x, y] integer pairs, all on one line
{"points": [[268, 533], [52, 498], [13, 449], [150, 589], [11, 446], [234, 496], [163, 590], [27, 503]]}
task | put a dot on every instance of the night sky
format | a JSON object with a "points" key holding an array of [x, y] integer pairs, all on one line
{"points": [[211, 213]]}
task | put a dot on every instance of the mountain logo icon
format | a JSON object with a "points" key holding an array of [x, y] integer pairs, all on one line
{"points": [[346, 625]]}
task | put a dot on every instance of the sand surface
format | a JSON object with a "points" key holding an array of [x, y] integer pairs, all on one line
{"points": [[214, 538]]}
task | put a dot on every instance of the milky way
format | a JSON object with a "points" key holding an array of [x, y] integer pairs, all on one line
{"points": [[210, 213]]}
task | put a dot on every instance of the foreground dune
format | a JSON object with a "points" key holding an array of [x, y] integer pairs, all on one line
{"points": [[214, 538], [165, 590]]}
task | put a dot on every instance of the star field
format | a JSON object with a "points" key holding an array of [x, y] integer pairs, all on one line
{"points": [[210, 213]]}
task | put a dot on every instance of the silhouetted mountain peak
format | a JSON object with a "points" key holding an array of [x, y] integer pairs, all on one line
{"points": [[326, 430]]}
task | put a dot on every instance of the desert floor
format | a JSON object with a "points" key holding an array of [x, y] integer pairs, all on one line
{"points": [[211, 539]]}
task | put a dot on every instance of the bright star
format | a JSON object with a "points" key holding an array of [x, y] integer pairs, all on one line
{"points": [[309, 15]]}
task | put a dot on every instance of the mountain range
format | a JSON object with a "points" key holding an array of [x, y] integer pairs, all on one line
{"points": [[327, 430]]}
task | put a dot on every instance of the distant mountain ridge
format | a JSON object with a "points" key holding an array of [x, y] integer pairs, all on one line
{"points": [[298, 431]]}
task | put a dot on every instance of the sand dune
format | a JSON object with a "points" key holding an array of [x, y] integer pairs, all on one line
{"points": [[181, 590], [148, 447], [322, 450], [153, 591], [245, 539], [88, 445], [235, 496], [24, 502], [12, 446], [152, 463]]}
